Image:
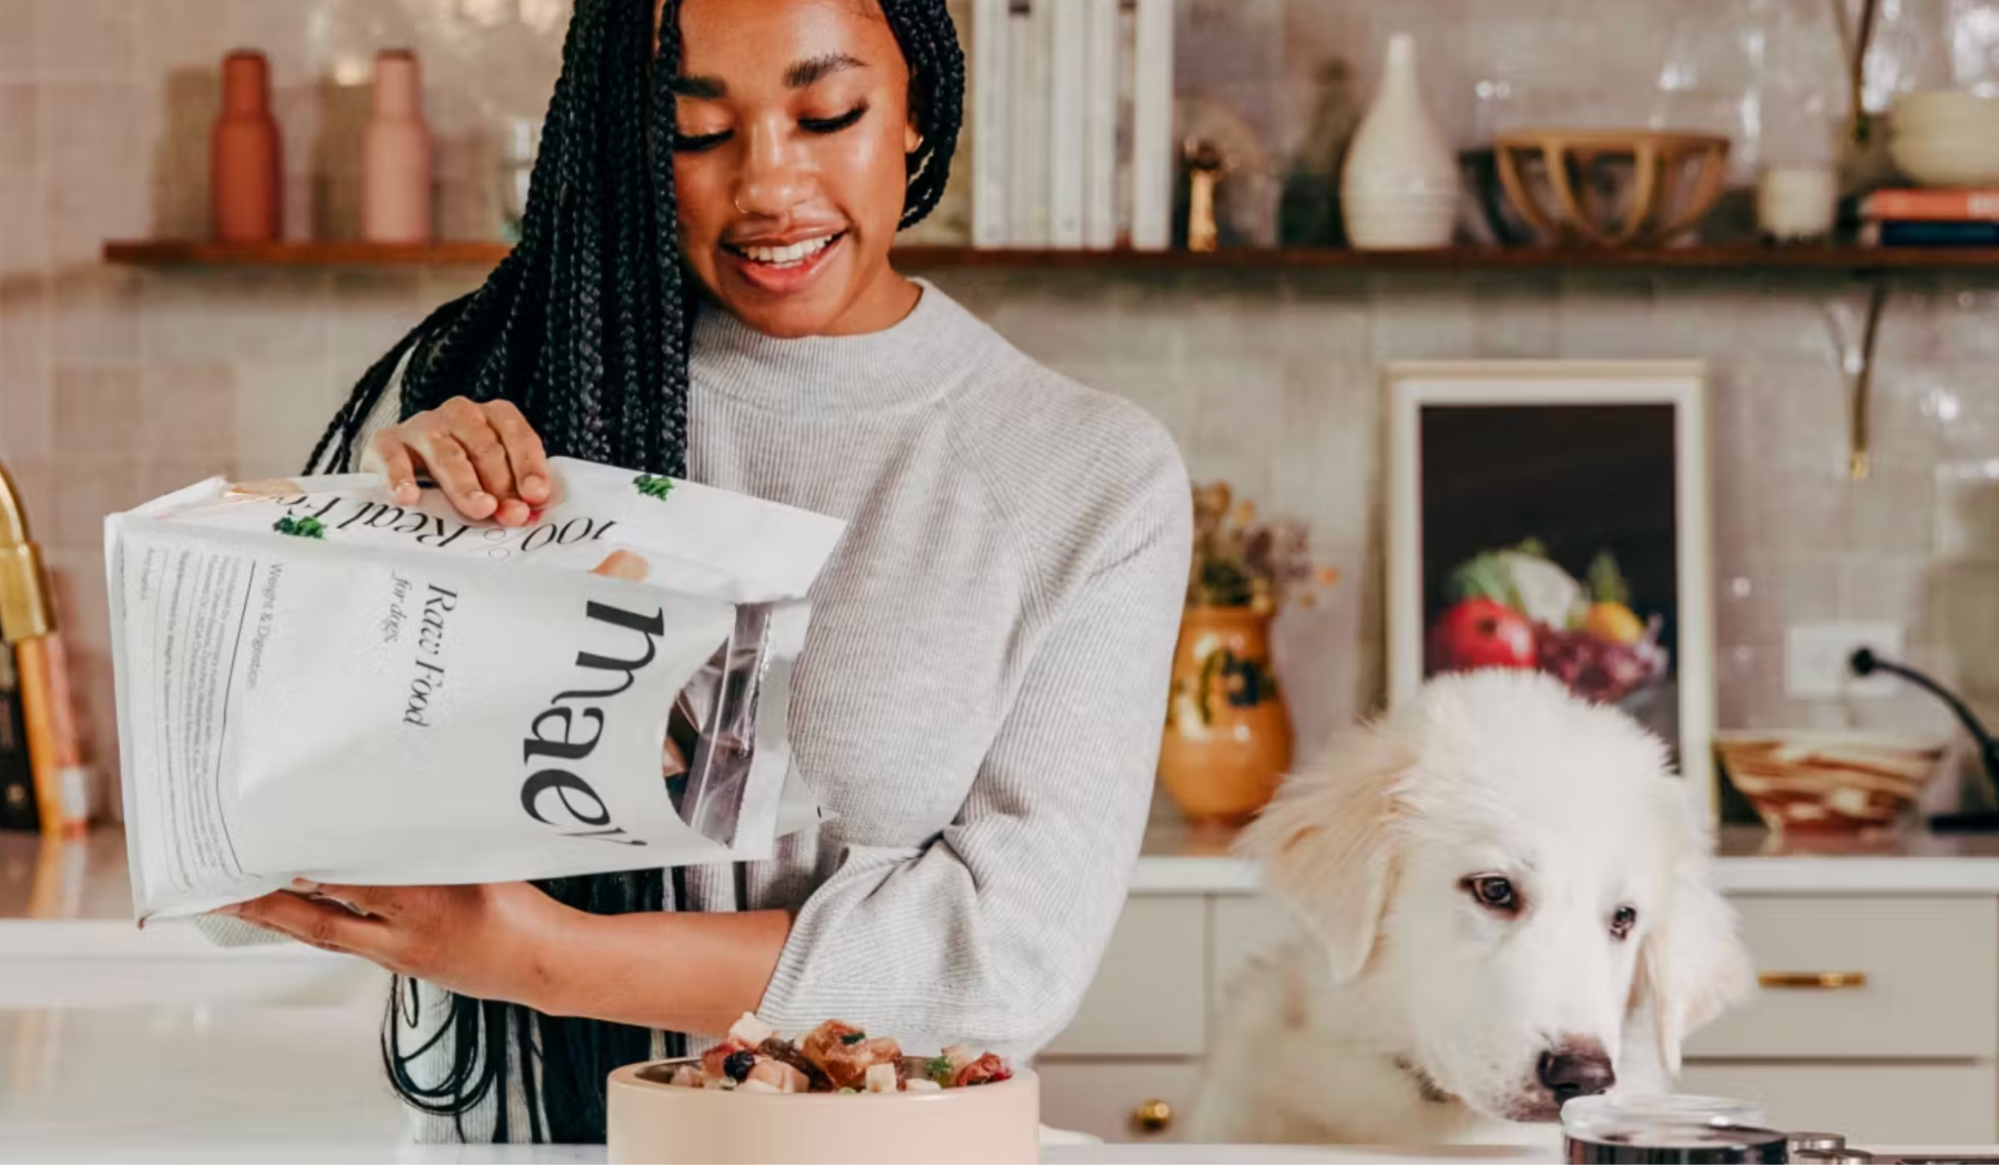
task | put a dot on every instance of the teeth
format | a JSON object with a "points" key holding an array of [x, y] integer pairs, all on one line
{"points": [[790, 256]]}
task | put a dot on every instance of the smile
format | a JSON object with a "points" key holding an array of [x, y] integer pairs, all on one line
{"points": [[790, 256]]}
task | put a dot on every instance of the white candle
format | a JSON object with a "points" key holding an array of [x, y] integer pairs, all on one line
{"points": [[1797, 202]]}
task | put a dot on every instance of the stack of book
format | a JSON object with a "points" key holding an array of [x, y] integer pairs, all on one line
{"points": [[1072, 123], [1930, 218]]}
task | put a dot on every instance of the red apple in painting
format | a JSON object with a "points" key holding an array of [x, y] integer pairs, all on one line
{"points": [[1481, 633]]}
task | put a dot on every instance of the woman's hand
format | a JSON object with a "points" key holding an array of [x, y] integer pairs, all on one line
{"points": [[484, 456], [493, 942], [508, 941]]}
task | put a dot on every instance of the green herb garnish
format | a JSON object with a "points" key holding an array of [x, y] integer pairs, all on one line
{"points": [[301, 527], [653, 486], [940, 1070], [853, 1038]]}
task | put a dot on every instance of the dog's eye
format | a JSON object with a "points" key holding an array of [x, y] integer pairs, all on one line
{"points": [[1494, 892], [1623, 920]]}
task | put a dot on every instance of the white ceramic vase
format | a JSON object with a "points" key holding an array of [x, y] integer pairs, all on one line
{"points": [[1401, 188]]}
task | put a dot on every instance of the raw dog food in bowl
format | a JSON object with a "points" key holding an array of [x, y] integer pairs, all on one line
{"points": [[835, 1094]]}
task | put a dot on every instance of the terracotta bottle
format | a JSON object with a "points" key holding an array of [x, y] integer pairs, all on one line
{"points": [[396, 156], [246, 158]]}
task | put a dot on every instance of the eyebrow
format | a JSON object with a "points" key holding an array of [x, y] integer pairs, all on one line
{"points": [[805, 74], [802, 75]]}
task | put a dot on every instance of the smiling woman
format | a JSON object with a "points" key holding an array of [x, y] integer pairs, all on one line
{"points": [[703, 289], [791, 180]]}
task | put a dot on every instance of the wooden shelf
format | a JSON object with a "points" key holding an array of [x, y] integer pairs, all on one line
{"points": [[1738, 259], [169, 253]]}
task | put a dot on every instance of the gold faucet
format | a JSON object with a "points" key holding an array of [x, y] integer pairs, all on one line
{"points": [[25, 610], [27, 623]]}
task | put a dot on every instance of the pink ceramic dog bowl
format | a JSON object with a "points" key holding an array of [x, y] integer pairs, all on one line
{"points": [[652, 1121]]}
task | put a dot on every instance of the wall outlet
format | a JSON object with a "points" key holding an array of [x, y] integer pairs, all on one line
{"points": [[1817, 660]]}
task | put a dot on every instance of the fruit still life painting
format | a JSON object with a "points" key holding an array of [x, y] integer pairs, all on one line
{"points": [[1517, 608]]}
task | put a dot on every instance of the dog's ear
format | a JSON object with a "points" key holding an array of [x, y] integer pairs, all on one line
{"points": [[1324, 844], [1693, 965]]}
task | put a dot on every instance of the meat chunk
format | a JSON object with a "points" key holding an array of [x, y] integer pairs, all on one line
{"points": [[779, 1049], [987, 1070], [844, 1053]]}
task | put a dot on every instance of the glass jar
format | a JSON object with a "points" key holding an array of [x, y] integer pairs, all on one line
{"points": [[1772, 79], [1913, 48], [520, 143], [1668, 1129]]}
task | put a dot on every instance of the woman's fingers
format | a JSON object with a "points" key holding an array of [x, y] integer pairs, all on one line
{"points": [[320, 924], [486, 458], [623, 565], [524, 451], [389, 457], [450, 467], [380, 902], [472, 426]]}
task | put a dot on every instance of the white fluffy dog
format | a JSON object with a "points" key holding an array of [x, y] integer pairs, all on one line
{"points": [[1508, 905]]}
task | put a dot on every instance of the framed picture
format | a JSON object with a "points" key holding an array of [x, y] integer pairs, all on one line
{"points": [[1554, 515]]}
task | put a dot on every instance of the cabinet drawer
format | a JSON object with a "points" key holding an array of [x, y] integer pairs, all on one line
{"points": [[1930, 969], [1102, 1098], [1149, 997], [1883, 1104]]}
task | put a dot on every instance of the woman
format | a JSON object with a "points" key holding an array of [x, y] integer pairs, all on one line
{"points": [[980, 696]]}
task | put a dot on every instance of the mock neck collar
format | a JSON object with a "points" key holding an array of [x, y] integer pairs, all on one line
{"points": [[910, 363]]}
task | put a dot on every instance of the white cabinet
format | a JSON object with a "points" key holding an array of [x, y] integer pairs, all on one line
{"points": [[1881, 1021], [1900, 1104], [1148, 999], [1884, 978], [1119, 1101]]}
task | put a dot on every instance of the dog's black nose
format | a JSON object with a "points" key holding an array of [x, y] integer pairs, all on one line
{"points": [[1576, 1069]]}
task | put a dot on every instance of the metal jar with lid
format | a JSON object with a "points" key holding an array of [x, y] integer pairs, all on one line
{"points": [[1669, 1129]]}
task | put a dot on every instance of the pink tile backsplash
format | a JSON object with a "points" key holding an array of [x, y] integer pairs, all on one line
{"points": [[98, 410], [88, 39], [134, 383]]}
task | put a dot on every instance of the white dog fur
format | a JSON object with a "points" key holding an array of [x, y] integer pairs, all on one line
{"points": [[1412, 1013]]}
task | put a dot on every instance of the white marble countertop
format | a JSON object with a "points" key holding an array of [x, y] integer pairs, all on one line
{"points": [[203, 1150], [279, 1083], [1179, 858], [286, 1153], [270, 1083], [85, 882], [1068, 1157]]}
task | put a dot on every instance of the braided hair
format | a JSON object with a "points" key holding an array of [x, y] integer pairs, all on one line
{"points": [[586, 328]]}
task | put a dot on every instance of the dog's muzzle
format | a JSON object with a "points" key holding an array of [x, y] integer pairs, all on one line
{"points": [[1426, 1085]]}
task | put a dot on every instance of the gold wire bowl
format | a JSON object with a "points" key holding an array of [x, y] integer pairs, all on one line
{"points": [[1663, 183]]}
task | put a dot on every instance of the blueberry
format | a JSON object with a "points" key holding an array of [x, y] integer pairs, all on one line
{"points": [[738, 1064]]}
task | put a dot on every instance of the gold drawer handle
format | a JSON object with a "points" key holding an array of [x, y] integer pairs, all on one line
{"points": [[1817, 981], [1153, 1117]]}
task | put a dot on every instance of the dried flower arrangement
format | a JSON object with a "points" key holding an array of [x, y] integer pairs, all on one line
{"points": [[1240, 562]]}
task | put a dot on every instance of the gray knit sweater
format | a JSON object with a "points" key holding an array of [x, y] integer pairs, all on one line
{"points": [[982, 691]]}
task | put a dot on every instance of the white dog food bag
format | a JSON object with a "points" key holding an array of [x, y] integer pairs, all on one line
{"points": [[314, 682]]}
